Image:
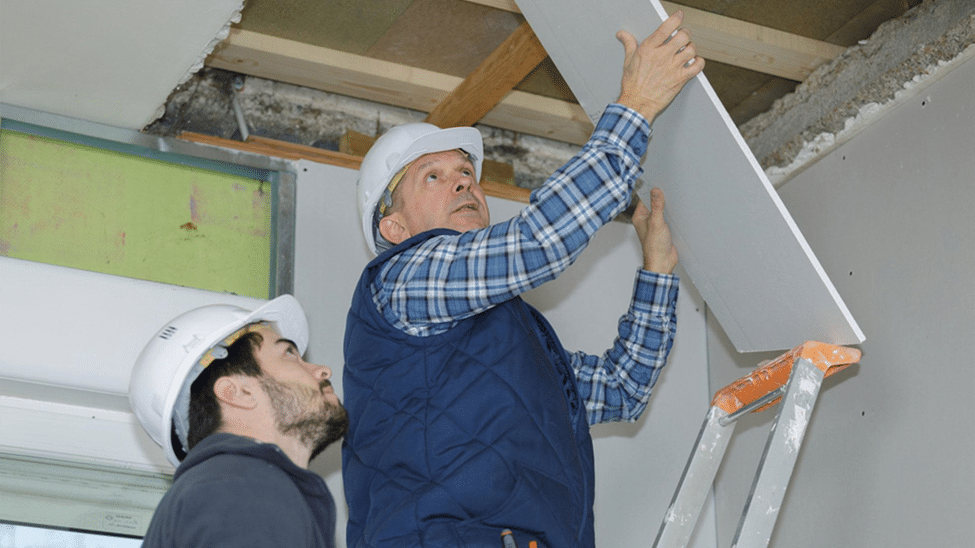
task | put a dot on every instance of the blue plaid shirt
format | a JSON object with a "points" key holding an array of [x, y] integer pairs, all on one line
{"points": [[428, 288]]}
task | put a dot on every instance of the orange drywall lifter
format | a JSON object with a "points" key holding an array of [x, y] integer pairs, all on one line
{"points": [[794, 377]]}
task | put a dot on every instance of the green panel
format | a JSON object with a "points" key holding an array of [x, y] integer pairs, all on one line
{"points": [[95, 209]]}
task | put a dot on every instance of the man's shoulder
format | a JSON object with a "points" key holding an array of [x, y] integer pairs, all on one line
{"points": [[231, 492], [233, 468], [226, 484]]}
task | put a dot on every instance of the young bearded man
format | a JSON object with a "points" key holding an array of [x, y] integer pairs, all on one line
{"points": [[228, 395]]}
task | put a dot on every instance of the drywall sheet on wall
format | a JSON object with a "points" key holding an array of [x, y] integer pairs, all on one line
{"points": [[736, 240], [100, 210]]}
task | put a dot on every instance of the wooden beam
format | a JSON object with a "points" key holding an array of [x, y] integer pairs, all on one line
{"points": [[739, 43], [497, 177], [389, 83], [505, 191], [487, 85], [277, 149]]}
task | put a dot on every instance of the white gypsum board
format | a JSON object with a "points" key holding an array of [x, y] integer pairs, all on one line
{"points": [[735, 238]]}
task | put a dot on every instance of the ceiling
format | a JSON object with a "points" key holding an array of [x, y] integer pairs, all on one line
{"points": [[428, 54], [111, 62]]}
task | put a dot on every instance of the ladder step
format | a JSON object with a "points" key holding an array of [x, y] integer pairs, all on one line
{"points": [[773, 375]]}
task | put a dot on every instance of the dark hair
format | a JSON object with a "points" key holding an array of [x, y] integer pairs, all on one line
{"points": [[204, 415]]}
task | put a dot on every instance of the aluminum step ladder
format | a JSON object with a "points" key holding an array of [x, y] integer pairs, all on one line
{"points": [[794, 377]]}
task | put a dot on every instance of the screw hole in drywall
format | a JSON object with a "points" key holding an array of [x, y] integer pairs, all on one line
{"points": [[851, 273]]}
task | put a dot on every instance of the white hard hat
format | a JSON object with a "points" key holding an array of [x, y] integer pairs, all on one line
{"points": [[396, 149], [160, 383]]}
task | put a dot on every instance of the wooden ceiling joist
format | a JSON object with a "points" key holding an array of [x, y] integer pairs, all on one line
{"points": [[487, 85], [720, 38], [334, 71], [739, 43]]}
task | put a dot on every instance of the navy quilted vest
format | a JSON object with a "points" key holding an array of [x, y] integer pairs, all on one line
{"points": [[456, 436]]}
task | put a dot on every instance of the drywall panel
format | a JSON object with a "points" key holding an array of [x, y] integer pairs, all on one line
{"points": [[888, 457], [736, 240], [638, 465], [330, 253], [108, 61]]}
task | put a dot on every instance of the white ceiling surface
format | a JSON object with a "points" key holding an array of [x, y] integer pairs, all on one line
{"points": [[736, 240], [109, 61]]}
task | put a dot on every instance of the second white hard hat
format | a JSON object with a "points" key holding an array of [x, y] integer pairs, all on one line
{"points": [[399, 147], [160, 383]]}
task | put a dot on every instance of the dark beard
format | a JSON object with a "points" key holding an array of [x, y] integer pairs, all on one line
{"points": [[315, 428]]}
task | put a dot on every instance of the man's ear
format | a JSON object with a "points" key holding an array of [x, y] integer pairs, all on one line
{"points": [[236, 391], [392, 228]]}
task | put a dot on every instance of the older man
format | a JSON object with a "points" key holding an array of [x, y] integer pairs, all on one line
{"points": [[228, 395], [467, 415]]}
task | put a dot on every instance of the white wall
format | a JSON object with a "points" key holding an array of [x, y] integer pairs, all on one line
{"points": [[638, 465], [889, 457], [68, 340]]}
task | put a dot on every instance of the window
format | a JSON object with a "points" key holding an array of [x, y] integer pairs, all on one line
{"points": [[16, 535]]}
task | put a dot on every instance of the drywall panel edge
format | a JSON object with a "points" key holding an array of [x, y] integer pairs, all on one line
{"points": [[737, 241]]}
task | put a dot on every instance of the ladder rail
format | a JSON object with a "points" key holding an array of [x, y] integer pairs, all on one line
{"points": [[696, 480], [778, 461]]}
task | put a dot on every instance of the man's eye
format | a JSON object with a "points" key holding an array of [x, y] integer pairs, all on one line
{"points": [[469, 173], [432, 177]]}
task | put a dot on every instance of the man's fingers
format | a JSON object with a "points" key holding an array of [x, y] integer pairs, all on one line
{"points": [[628, 41], [657, 201], [679, 41], [666, 29], [640, 213]]}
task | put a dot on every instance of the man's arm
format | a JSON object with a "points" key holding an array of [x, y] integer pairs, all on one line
{"points": [[617, 385], [427, 289]]}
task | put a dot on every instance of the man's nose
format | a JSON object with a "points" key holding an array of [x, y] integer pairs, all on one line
{"points": [[321, 372], [463, 182]]}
